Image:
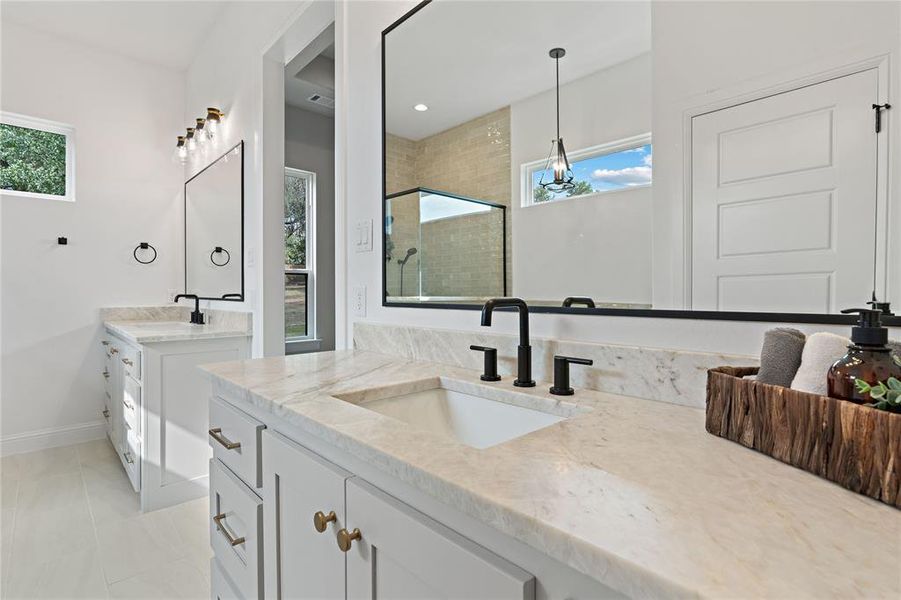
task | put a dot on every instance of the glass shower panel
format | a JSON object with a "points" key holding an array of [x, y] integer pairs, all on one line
{"points": [[442, 247]]}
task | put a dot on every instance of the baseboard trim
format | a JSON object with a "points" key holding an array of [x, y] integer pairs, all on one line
{"points": [[41, 439]]}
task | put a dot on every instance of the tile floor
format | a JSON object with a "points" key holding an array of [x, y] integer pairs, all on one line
{"points": [[70, 527]]}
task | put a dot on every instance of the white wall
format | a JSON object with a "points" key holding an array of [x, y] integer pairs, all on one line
{"points": [[310, 145], [598, 246], [358, 122], [128, 190], [240, 69], [710, 51], [228, 73]]}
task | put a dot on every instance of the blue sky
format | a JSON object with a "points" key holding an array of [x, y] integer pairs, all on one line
{"points": [[627, 168]]}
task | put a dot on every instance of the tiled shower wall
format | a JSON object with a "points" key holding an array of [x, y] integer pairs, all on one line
{"points": [[471, 159]]}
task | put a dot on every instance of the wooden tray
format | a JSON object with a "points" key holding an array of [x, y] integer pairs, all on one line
{"points": [[857, 447]]}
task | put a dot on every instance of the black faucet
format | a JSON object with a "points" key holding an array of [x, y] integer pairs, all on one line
{"points": [[524, 352], [196, 316], [570, 300]]}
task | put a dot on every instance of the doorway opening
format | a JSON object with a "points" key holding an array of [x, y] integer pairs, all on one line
{"points": [[310, 197]]}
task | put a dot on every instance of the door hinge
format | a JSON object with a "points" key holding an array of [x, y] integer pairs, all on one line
{"points": [[879, 108]]}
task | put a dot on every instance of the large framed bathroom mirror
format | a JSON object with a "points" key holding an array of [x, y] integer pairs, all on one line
{"points": [[214, 229], [520, 160]]}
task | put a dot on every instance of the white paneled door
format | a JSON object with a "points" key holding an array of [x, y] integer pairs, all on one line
{"points": [[784, 200]]}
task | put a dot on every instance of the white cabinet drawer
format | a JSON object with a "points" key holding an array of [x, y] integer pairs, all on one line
{"points": [[236, 527], [131, 405], [131, 459], [235, 438], [220, 586], [131, 361]]}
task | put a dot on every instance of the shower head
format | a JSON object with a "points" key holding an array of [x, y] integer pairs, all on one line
{"points": [[410, 252]]}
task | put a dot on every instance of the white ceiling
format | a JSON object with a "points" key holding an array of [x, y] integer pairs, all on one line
{"points": [[466, 59], [165, 33]]}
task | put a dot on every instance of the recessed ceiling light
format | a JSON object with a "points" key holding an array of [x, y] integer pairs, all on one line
{"points": [[421, 107]]}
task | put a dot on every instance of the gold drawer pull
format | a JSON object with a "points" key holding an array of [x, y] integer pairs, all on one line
{"points": [[128, 406], [114, 350], [127, 457], [231, 540], [345, 538], [106, 374], [128, 362], [216, 434], [106, 413], [321, 520]]}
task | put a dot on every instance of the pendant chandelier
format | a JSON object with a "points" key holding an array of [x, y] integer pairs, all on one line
{"points": [[557, 165]]}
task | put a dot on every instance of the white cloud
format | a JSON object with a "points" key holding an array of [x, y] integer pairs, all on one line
{"points": [[628, 176], [649, 160], [639, 149]]}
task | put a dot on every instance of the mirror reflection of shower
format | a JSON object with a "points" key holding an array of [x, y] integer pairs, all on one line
{"points": [[403, 262]]}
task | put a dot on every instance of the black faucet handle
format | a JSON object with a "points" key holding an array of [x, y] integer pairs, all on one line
{"points": [[561, 385], [490, 368]]}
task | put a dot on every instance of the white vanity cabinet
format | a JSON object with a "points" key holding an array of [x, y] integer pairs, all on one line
{"points": [[331, 535], [156, 410]]}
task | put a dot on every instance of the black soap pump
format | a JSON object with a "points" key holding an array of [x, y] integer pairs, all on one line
{"points": [[868, 358]]}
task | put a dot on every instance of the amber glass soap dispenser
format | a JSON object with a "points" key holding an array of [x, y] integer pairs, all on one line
{"points": [[868, 358]]}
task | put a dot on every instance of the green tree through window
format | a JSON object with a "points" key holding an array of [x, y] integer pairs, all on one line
{"points": [[295, 222], [32, 160]]}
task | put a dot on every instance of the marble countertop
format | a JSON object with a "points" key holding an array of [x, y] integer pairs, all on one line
{"points": [[145, 332], [634, 493]]}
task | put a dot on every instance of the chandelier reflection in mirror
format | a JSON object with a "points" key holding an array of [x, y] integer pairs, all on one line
{"points": [[556, 158]]}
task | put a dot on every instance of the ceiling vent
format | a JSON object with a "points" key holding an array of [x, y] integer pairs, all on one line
{"points": [[322, 100]]}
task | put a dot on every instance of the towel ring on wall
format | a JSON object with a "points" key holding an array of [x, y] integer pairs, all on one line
{"points": [[144, 246], [220, 250]]}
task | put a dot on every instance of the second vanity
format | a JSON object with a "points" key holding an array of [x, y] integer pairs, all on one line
{"points": [[155, 400], [330, 479]]}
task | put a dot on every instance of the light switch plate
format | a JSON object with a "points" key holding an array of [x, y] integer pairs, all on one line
{"points": [[363, 236], [358, 301]]}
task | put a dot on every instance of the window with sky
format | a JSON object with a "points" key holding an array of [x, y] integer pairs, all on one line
{"points": [[604, 173]]}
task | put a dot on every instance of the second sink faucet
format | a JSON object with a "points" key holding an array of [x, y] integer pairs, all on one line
{"points": [[524, 352]]}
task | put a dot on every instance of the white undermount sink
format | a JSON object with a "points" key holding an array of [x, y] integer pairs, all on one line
{"points": [[475, 415]]}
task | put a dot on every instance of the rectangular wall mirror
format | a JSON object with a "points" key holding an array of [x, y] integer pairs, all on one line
{"points": [[214, 229], [780, 204]]}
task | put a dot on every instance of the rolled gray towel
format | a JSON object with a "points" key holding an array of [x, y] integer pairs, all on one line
{"points": [[780, 356]]}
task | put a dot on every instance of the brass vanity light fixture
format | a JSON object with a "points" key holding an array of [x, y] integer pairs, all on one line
{"points": [[214, 118], [181, 151], [190, 142], [556, 158], [200, 133], [204, 129]]}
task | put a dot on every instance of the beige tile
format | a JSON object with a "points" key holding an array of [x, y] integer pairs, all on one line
{"points": [[9, 489], [192, 520], [52, 519], [131, 546], [7, 523], [110, 494], [34, 466], [76, 575], [179, 579], [96, 452], [9, 467]]}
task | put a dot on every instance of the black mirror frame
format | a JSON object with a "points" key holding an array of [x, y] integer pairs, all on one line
{"points": [[770, 317], [226, 297]]}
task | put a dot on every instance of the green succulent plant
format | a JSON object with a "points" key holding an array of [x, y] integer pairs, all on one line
{"points": [[886, 395]]}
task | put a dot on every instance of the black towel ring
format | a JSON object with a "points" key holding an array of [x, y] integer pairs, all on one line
{"points": [[144, 246], [219, 250]]}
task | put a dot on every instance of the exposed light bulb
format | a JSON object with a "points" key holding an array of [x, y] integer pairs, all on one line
{"points": [[421, 107], [190, 142], [200, 134], [214, 118], [181, 152]]}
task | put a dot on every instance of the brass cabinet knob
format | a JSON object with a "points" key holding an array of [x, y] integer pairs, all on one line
{"points": [[321, 520], [114, 350], [128, 362], [345, 538]]}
